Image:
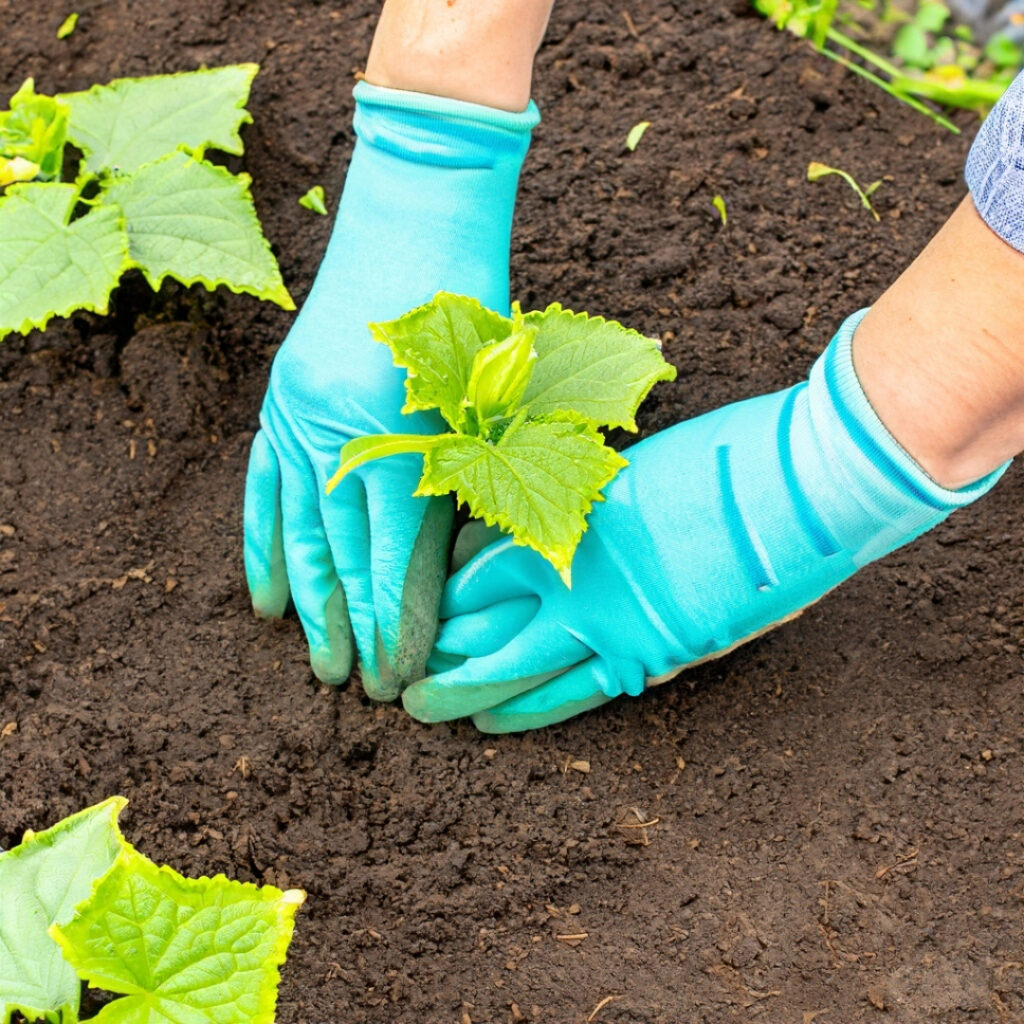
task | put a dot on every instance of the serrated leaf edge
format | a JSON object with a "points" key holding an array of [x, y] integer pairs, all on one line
{"points": [[285, 905], [102, 308], [378, 331], [666, 372], [278, 295], [64, 1014], [237, 146], [560, 558]]}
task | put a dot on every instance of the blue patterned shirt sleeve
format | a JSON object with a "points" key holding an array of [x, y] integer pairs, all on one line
{"points": [[995, 167]]}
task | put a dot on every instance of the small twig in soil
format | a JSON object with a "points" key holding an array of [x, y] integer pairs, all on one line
{"points": [[642, 824], [604, 1002], [911, 858]]}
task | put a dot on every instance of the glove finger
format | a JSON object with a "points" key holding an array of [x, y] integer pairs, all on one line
{"points": [[347, 529], [481, 633], [265, 570], [409, 545], [543, 648], [500, 572], [555, 700], [316, 590]]}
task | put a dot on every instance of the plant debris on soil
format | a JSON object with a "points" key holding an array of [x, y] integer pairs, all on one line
{"points": [[825, 827]]}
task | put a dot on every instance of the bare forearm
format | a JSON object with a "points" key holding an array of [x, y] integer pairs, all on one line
{"points": [[941, 354], [481, 52]]}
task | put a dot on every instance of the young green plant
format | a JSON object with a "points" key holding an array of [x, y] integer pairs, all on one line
{"points": [[144, 195], [82, 905], [929, 61], [526, 397], [816, 171]]}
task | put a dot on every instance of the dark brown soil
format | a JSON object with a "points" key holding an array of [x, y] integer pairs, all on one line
{"points": [[837, 821]]}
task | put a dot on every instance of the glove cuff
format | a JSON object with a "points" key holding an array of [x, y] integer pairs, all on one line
{"points": [[878, 472], [995, 169], [437, 130]]}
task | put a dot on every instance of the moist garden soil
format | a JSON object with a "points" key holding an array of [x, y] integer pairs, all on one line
{"points": [[832, 817]]}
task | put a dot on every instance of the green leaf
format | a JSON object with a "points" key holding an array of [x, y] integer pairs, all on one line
{"points": [[719, 204], [816, 171], [537, 482], [499, 378], [67, 26], [593, 367], [437, 343], [315, 200], [35, 129], [181, 950], [931, 15], [361, 450], [636, 133], [41, 881], [196, 222], [134, 121], [1004, 52], [50, 267], [911, 45]]}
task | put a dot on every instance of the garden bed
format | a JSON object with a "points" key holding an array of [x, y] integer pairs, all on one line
{"points": [[835, 813]]}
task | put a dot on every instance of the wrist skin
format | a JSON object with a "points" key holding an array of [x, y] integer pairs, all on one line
{"points": [[480, 52], [941, 355]]}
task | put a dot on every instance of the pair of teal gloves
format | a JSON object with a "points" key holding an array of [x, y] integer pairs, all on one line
{"points": [[719, 528]]}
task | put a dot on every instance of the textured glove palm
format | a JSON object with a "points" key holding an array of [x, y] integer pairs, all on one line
{"points": [[427, 206], [718, 529]]}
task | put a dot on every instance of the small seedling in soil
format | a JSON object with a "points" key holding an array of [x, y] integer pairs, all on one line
{"points": [[636, 133], [719, 204], [67, 26], [525, 397], [817, 171], [315, 200], [143, 196], [82, 905], [929, 59]]}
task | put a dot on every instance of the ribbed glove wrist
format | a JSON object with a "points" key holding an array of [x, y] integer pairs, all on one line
{"points": [[882, 497]]}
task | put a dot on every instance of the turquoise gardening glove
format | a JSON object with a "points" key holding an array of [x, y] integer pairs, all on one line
{"points": [[427, 206], [719, 528]]}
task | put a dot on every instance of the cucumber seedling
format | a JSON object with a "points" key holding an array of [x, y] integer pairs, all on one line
{"points": [[526, 397], [82, 905], [144, 195]]}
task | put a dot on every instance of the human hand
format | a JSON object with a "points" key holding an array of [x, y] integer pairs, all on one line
{"points": [[720, 528], [427, 206]]}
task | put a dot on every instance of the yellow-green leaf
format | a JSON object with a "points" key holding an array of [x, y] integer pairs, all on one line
{"points": [[180, 949], [41, 880], [636, 133], [67, 26], [134, 121], [50, 265], [315, 200], [196, 222]]}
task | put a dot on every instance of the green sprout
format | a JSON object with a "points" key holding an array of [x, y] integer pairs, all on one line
{"points": [[719, 204], [315, 200], [67, 26], [816, 171], [636, 133], [930, 60]]}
